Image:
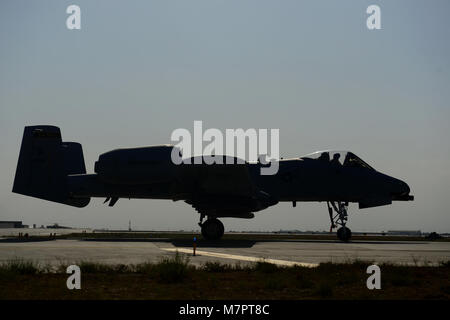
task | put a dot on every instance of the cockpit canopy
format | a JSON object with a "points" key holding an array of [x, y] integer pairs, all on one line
{"points": [[344, 158]]}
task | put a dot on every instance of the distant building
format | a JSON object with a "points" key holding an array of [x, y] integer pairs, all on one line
{"points": [[404, 233], [11, 224], [57, 226]]}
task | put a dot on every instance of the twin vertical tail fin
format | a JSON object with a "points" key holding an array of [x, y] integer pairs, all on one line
{"points": [[45, 161]]}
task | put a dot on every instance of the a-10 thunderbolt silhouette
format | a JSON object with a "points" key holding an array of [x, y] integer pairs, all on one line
{"points": [[51, 169]]}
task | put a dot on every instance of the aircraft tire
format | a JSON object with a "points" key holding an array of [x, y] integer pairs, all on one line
{"points": [[344, 234], [212, 229]]}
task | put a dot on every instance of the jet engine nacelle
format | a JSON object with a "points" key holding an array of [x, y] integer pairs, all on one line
{"points": [[145, 165]]}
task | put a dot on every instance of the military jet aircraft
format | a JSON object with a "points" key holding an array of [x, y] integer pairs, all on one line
{"points": [[51, 169]]}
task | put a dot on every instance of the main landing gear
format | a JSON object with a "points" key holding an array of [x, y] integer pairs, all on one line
{"points": [[212, 228], [339, 219]]}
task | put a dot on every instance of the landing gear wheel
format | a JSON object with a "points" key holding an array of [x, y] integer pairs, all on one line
{"points": [[339, 219], [212, 229], [344, 234]]}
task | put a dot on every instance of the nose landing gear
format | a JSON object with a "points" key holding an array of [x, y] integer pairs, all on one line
{"points": [[212, 228], [339, 219]]}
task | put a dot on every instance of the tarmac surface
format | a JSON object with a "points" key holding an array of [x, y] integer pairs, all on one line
{"points": [[282, 252]]}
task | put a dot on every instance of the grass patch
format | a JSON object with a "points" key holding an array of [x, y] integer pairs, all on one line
{"points": [[214, 266], [19, 266], [172, 269], [303, 279], [275, 283], [265, 267], [401, 277], [445, 264], [325, 290], [174, 278], [143, 268], [94, 267]]}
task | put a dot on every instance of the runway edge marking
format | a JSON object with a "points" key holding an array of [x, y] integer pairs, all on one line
{"points": [[243, 258]]}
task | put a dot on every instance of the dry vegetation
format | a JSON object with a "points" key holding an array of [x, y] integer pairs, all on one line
{"points": [[175, 278]]}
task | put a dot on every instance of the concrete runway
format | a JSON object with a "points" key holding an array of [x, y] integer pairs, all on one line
{"points": [[282, 252]]}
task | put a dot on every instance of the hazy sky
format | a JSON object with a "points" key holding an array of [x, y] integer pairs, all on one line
{"points": [[137, 70]]}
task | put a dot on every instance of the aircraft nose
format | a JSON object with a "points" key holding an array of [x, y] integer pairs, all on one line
{"points": [[400, 187], [404, 187]]}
